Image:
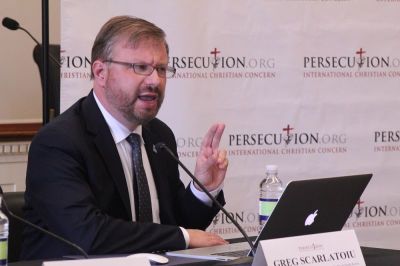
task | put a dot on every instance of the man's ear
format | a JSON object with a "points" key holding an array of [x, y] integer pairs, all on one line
{"points": [[100, 71]]}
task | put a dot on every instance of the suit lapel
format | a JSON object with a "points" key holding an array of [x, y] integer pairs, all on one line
{"points": [[105, 144], [159, 170], [154, 160]]}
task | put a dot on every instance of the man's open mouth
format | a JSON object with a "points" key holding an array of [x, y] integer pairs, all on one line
{"points": [[148, 97]]}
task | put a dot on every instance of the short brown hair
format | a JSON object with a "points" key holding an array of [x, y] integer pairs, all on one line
{"points": [[134, 29]]}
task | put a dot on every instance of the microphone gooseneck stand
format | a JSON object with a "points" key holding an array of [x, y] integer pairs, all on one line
{"points": [[42, 230], [160, 146]]}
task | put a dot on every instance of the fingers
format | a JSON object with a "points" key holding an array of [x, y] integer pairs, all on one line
{"points": [[218, 159], [213, 136], [217, 240], [213, 239], [212, 163], [222, 160], [217, 136], [199, 238]]}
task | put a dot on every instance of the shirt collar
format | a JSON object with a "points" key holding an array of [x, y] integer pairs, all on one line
{"points": [[118, 130]]}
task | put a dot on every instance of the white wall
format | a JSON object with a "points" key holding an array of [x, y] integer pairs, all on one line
{"points": [[13, 159], [21, 91], [339, 110]]}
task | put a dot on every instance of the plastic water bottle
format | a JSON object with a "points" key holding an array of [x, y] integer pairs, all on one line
{"points": [[3, 236], [271, 188]]}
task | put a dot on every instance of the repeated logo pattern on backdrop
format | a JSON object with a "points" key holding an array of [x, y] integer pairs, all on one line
{"points": [[220, 66], [309, 85], [359, 65]]}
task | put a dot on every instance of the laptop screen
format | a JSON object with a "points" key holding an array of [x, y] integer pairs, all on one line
{"points": [[314, 206], [305, 207]]}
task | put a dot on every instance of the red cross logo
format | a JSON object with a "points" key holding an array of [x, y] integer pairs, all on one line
{"points": [[361, 52], [215, 52], [288, 128], [359, 211], [359, 202]]}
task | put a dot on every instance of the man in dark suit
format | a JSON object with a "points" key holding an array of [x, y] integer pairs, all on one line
{"points": [[82, 178]]}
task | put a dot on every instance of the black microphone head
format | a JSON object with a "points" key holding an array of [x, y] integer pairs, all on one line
{"points": [[10, 24]]}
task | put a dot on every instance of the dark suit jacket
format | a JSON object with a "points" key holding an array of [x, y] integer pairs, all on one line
{"points": [[76, 188]]}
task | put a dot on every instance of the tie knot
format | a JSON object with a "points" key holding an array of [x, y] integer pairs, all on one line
{"points": [[134, 139]]}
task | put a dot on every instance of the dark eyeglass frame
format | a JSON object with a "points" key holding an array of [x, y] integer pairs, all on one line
{"points": [[146, 69]]}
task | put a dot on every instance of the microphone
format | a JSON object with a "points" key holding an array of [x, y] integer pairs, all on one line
{"points": [[159, 146], [12, 24], [44, 231]]}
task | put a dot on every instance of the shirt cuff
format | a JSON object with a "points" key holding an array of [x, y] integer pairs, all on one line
{"points": [[185, 235], [202, 196]]}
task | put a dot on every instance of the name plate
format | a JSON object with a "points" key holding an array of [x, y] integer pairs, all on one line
{"points": [[339, 248], [120, 261]]}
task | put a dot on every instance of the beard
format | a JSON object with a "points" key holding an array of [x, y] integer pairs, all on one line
{"points": [[127, 104]]}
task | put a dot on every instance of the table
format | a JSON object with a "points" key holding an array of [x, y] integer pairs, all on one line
{"points": [[373, 257]]}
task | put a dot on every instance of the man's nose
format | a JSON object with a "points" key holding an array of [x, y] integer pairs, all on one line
{"points": [[153, 78]]}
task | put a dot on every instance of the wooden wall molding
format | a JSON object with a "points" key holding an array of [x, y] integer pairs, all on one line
{"points": [[18, 132]]}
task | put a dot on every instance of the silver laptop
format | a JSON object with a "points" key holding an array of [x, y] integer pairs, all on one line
{"points": [[305, 207]]}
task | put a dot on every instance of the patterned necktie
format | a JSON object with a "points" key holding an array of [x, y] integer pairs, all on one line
{"points": [[144, 213]]}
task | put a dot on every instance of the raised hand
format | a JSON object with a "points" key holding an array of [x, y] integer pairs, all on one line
{"points": [[211, 164]]}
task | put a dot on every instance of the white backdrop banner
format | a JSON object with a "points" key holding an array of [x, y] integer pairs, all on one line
{"points": [[309, 85]]}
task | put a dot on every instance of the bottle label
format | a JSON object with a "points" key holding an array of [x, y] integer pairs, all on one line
{"points": [[266, 208], [3, 251]]}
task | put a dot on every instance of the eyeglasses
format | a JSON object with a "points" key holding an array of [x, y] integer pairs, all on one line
{"points": [[146, 70]]}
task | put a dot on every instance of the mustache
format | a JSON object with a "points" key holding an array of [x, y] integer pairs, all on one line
{"points": [[150, 88], [147, 89]]}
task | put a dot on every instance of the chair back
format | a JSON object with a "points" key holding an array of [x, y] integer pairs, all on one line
{"points": [[54, 74], [15, 203]]}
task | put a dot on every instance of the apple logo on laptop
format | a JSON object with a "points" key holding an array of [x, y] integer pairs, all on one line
{"points": [[310, 218]]}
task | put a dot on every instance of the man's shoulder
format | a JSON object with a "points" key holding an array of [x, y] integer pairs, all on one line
{"points": [[67, 123], [158, 131], [157, 124]]}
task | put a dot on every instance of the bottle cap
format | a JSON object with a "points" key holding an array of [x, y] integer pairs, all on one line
{"points": [[271, 168]]}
